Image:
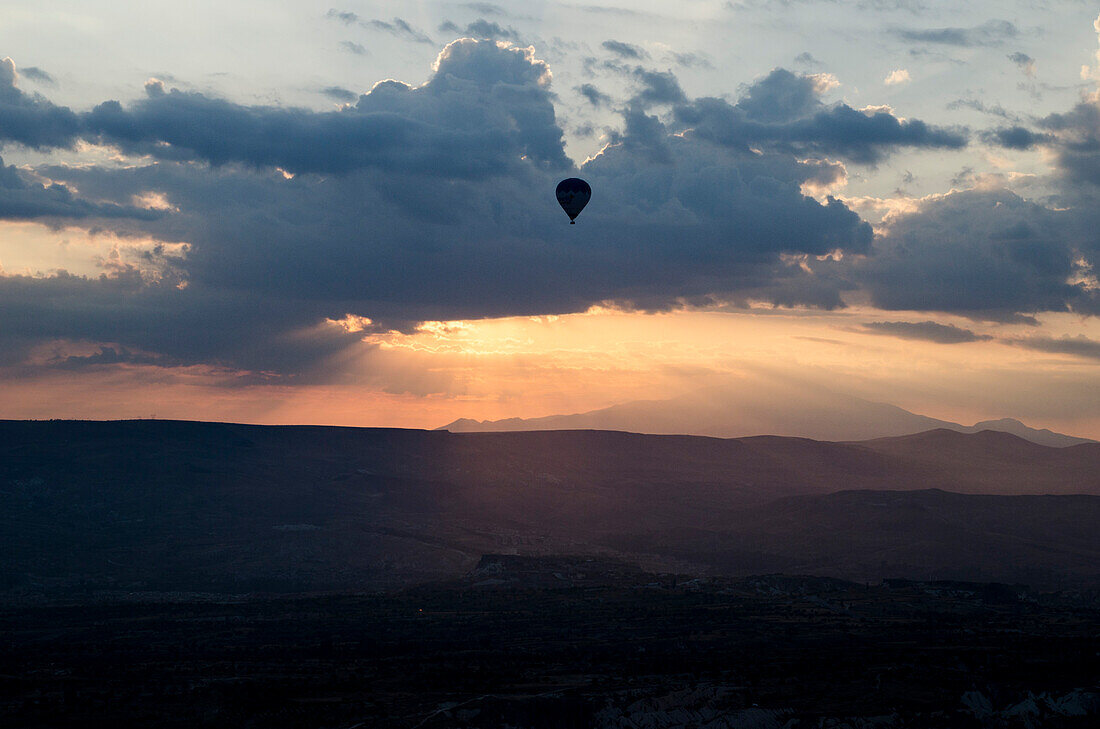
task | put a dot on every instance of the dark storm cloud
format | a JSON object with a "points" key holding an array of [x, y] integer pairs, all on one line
{"points": [[175, 326], [272, 255], [927, 331], [482, 111], [651, 87], [436, 202], [21, 199], [643, 135], [481, 29], [657, 87], [985, 254], [400, 28], [29, 119], [1077, 141], [1015, 137], [780, 96], [34, 73], [1080, 346], [785, 110], [627, 51], [109, 356], [991, 32], [594, 95], [401, 235]]}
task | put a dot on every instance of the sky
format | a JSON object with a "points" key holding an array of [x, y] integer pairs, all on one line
{"points": [[303, 212]]}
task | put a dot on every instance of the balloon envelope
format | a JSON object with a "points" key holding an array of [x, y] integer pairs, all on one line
{"points": [[573, 194]]}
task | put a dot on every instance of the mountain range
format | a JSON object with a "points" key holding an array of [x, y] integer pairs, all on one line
{"points": [[216, 507], [789, 409]]}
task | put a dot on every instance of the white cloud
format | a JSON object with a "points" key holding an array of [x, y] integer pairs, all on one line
{"points": [[897, 76]]}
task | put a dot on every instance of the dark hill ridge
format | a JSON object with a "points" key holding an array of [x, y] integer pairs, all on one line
{"points": [[941, 535], [222, 507]]}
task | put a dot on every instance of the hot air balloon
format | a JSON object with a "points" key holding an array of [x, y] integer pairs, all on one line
{"points": [[573, 194]]}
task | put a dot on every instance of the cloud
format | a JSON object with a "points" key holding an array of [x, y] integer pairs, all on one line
{"points": [[22, 199], [626, 51], [616, 11], [1075, 136], [34, 73], [781, 96], [109, 356], [419, 203], [31, 120], [657, 87], [338, 93], [1024, 62], [483, 110], [400, 28], [271, 256], [896, 77], [482, 29], [785, 111], [162, 320], [651, 87], [982, 253], [690, 60], [594, 95], [1015, 137], [343, 16], [992, 32], [434, 202], [1088, 72], [927, 331], [353, 47], [486, 8], [912, 6], [982, 107], [1079, 346]]}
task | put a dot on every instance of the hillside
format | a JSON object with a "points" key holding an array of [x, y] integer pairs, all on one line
{"points": [[221, 507]]}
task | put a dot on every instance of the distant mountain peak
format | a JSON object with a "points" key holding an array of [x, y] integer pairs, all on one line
{"points": [[789, 409], [1013, 422], [1042, 436]]}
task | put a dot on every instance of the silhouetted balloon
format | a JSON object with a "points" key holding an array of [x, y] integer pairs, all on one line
{"points": [[573, 194]]}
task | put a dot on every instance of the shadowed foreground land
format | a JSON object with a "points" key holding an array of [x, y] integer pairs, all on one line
{"points": [[215, 507], [203, 574], [565, 644]]}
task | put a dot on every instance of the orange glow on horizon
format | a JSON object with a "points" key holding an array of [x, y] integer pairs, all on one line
{"points": [[536, 366]]}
